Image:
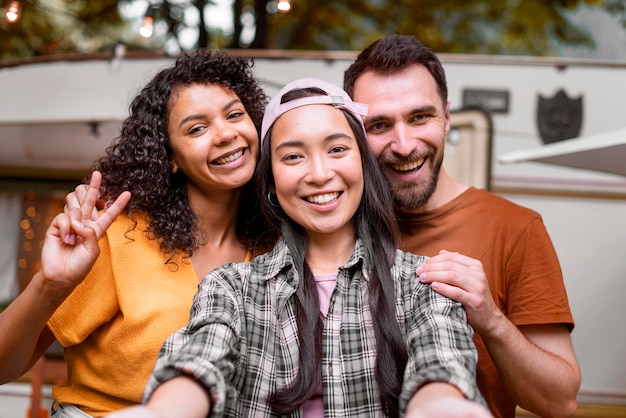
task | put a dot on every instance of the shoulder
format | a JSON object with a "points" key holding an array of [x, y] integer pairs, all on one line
{"points": [[127, 238], [407, 260], [255, 272], [494, 202], [270, 263], [404, 268], [125, 225]]}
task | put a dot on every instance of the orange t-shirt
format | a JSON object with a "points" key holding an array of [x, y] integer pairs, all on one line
{"points": [[519, 260], [113, 325]]}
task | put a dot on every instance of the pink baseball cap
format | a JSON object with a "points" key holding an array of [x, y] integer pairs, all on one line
{"points": [[335, 96]]}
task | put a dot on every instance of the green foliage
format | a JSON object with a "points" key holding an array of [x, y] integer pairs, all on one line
{"points": [[521, 27], [59, 27], [530, 27]]}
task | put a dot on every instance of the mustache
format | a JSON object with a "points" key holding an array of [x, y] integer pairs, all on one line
{"points": [[415, 155]]}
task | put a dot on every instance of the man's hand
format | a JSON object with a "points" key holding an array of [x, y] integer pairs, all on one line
{"points": [[462, 279]]}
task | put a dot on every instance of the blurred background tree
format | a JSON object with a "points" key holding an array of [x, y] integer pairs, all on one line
{"points": [[509, 27]]}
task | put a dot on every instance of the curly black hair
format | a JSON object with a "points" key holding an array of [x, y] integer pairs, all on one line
{"points": [[139, 160]]}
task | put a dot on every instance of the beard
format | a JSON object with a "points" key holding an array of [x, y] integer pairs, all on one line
{"points": [[410, 197]]}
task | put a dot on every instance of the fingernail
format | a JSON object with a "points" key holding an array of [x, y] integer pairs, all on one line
{"points": [[70, 239]]}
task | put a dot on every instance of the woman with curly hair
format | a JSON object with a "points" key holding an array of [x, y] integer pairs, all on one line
{"points": [[187, 154]]}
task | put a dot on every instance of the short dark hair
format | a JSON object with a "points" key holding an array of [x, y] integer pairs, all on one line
{"points": [[392, 54]]}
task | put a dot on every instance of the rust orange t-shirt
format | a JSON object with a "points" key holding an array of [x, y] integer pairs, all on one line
{"points": [[519, 260]]}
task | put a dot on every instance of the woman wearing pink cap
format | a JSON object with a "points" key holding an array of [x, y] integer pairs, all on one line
{"points": [[333, 321]]}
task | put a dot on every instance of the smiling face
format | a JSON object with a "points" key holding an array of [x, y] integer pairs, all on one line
{"points": [[214, 141], [406, 126], [318, 174]]}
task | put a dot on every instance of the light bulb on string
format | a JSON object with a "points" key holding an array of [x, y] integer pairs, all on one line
{"points": [[13, 11], [284, 6], [147, 28]]}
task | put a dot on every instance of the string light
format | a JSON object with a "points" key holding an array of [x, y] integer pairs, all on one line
{"points": [[147, 28], [284, 6], [13, 11]]}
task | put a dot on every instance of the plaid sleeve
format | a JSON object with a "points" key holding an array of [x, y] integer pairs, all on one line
{"points": [[208, 348], [439, 341]]}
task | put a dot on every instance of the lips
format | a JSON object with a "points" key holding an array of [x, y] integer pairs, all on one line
{"points": [[229, 158], [322, 199], [409, 166]]}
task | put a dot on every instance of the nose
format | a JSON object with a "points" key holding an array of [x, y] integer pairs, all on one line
{"points": [[320, 170], [402, 143], [224, 132]]}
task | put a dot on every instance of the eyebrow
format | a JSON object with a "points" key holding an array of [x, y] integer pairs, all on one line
{"points": [[422, 109], [227, 106], [299, 143]]}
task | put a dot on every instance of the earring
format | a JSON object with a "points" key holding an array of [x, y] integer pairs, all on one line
{"points": [[274, 201]]}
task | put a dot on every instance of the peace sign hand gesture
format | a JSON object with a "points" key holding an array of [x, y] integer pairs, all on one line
{"points": [[71, 243]]}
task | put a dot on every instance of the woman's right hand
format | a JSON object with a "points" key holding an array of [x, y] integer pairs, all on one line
{"points": [[71, 243], [75, 199]]}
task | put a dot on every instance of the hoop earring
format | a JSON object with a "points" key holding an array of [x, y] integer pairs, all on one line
{"points": [[273, 202]]}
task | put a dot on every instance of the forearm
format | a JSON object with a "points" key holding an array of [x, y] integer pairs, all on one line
{"points": [[443, 400], [180, 397], [539, 369], [431, 391], [21, 326]]}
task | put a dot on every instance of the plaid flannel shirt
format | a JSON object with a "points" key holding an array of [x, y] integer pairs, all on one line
{"points": [[241, 342]]}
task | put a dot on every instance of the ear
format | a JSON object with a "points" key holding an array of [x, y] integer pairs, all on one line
{"points": [[447, 119], [175, 168]]}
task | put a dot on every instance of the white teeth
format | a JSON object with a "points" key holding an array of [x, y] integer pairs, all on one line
{"points": [[408, 166], [229, 158], [323, 199]]}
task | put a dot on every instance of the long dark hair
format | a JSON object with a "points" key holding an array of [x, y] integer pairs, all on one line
{"points": [[375, 225], [140, 158]]}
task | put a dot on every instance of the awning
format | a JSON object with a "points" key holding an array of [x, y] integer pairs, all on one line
{"points": [[604, 152]]}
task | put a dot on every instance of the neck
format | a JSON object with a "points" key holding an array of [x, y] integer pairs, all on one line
{"points": [[325, 256], [217, 222], [215, 211], [447, 189]]}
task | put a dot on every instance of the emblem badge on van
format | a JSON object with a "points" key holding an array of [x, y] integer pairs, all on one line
{"points": [[559, 117]]}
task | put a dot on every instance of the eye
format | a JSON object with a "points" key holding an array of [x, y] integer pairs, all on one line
{"points": [[377, 127], [196, 129], [291, 157], [237, 114], [421, 118], [338, 149]]}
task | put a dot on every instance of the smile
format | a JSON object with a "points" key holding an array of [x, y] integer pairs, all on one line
{"points": [[323, 199], [227, 159], [408, 166]]}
